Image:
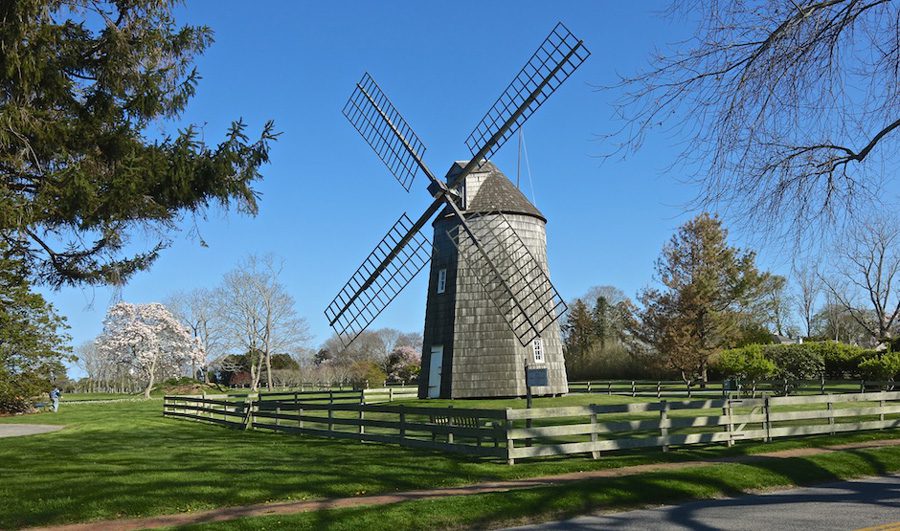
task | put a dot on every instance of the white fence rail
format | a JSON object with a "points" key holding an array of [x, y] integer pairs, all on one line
{"points": [[513, 434]]}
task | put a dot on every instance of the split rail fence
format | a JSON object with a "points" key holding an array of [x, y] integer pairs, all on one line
{"points": [[678, 388], [512, 434]]}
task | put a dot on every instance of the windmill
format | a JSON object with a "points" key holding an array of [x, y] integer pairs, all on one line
{"points": [[487, 248]]}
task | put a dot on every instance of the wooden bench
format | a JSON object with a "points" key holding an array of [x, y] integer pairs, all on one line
{"points": [[461, 422]]}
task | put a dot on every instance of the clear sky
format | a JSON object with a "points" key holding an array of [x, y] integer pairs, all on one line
{"points": [[327, 199]]}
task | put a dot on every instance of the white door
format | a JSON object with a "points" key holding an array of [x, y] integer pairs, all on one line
{"points": [[434, 372]]}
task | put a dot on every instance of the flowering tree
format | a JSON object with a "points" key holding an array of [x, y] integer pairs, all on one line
{"points": [[403, 364], [149, 340]]}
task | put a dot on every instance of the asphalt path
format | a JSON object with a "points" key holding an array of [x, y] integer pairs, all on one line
{"points": [[847, 505], [18, 430]]}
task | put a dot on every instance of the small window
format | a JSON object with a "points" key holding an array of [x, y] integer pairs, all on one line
{"points": [[442, 281], [538, 346]]}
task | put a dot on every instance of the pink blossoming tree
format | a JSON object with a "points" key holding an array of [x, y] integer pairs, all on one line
{"points": [[149, 340]]}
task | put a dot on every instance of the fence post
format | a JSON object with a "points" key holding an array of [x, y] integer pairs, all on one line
{"points": [[730, 426], [633, 390], [830, 406], [330, 417], [402, 425], [595, 453], [768, 419], [688, 384], [881, 409], [300, 417], [664, 425], [248, 403], [450, 425], [509, 442], [589, 387], [362, 417], [609, 387], [278, 415], [822, 385], [862, 386], [390, 394], [658, 390]]}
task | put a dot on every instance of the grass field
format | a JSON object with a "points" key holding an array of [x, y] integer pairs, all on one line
{"points": [[124, 460]]}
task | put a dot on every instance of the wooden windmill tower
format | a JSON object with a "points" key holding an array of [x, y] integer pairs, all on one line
{"points": [[499, 311]]}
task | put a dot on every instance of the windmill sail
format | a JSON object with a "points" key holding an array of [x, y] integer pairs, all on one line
{"points": [[555, 60], [509, 274], [381, 125], [396, 260]]}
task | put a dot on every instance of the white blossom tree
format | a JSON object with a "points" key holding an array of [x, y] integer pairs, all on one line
{"points": [[148, 340]]}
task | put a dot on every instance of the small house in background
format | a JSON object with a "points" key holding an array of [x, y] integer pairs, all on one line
{"points": [[786, 340]]}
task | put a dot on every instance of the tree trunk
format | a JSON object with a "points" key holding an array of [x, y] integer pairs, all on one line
{"points": [[268, 370], [150, 383]]}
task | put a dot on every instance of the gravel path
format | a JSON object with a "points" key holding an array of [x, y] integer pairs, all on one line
{"points": [[18, 430]]}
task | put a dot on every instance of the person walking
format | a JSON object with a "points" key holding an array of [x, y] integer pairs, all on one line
{"points": [[54, 397]]}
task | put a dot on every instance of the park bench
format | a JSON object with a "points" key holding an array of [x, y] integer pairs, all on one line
{"points": [[464, 421]]}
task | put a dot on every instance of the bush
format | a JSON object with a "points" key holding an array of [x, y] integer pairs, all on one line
{"points": [[749, 364], [841, 360], [885, 367], [613, 362], [365, 374], [796, 363]]}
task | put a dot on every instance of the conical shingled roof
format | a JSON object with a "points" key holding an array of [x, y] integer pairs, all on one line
{"points": [[496, 193]]}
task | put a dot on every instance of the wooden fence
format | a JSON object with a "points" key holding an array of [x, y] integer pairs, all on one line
{"points": [[513, 434], [678, 388], [479, 432], [389, 394]]}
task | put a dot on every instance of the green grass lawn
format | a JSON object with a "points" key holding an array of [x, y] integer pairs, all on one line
{"points": [[485, 511], [124, 460]]}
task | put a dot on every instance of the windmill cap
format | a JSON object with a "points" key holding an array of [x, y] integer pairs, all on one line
{"points": [[496, 193]]}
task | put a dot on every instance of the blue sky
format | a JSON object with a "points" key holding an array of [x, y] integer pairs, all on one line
{"points": [[327, 199]]}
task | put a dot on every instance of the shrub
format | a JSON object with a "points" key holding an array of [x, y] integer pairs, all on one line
{"points": [[885, 367], [796, 363], [747, 363], [841, 360], [366, 373]]}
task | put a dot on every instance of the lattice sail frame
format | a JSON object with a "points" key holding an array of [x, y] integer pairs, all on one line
{"points": [[358, 304], [551, 62], [509, 274], [366, 116]]}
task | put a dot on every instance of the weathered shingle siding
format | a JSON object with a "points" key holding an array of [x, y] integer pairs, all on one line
{"points": [[488, 358], [482, 356]]}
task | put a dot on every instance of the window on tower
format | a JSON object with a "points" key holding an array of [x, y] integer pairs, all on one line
{"points": [[442, 281], [538, 346]]}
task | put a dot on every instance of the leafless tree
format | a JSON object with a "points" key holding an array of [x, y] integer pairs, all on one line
{"points": [[809, 287], [259, 315], [95, 365], [787, 109], [863, 282], [197, 310]]}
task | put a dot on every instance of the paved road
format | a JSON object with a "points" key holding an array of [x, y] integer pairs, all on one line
{"points": [[847, 505], [17, 430]]}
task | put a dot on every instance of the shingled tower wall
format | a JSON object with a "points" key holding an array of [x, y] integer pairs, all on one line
{"points": [[481, 355]]}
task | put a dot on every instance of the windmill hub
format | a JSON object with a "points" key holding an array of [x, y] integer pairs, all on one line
{"points": [[492, 311]]}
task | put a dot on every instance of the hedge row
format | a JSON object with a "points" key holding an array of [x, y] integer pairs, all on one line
{"points": [[792, 363]]}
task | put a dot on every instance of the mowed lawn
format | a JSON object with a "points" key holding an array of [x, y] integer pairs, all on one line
{"points": [[124, 460]]}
